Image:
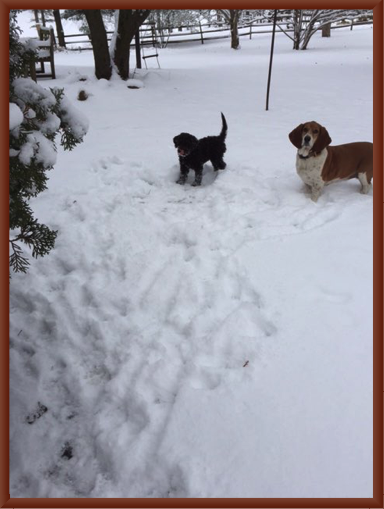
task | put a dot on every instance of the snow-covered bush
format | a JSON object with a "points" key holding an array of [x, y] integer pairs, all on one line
{"points": [[36, 116]]}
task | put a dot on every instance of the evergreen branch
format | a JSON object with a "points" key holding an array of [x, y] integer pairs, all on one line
{"points": [[17, 262]]}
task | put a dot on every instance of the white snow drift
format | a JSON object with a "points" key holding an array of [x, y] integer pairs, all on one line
{"points": [[200, 342]]}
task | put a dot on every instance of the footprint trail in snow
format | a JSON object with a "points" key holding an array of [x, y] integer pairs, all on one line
{"points": [[157, 299]]}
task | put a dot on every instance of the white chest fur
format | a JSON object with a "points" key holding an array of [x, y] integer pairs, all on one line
{"points": [[309, 170]]}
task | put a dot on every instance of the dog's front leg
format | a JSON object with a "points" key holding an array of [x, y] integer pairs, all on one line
{"points": [[198, 176], [184, 170], [316, 192]]}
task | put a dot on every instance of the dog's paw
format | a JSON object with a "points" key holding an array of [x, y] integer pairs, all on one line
{"points": [[180, 181], [195, 183]]}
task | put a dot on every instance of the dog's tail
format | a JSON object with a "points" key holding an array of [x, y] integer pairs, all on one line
{"points": [[224, 129]]}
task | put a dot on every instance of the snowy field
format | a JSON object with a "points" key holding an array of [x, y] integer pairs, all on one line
{"points": [[200, 342]]}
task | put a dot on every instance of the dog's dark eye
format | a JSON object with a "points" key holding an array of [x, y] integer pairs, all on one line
{"points": [[316, 131]]}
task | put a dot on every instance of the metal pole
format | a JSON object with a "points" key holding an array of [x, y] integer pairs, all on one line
{"points": [[137, 47], [271, 57]]}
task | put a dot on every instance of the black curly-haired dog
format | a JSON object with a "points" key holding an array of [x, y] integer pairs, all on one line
{"points": [[193, 153]]}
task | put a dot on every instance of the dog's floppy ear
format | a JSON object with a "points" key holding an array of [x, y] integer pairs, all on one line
{"points": [[295, 136], [323, 140], [193, 141], [175, 140]]}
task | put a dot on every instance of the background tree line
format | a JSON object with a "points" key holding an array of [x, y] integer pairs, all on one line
{"points": [[302, 23]]}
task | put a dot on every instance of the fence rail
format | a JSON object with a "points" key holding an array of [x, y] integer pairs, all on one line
{"points": [[195, 33]]}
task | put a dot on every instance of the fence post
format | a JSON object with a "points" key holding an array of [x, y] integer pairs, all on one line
{"points": [[250, 31], [201, 33]]}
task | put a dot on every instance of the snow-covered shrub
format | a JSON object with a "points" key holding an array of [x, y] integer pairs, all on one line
{"points": [[36, 116]]}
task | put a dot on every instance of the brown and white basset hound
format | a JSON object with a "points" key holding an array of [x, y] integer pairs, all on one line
{"points": [[319, 164]]}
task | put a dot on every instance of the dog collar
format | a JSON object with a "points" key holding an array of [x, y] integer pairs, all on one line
{"points": [[311, 154]]}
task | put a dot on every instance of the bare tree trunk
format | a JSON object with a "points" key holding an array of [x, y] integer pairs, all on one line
{"points": [[326, 30], [234, 19], [103, 67], [159, 27], [310, 28], [307, 36], [36, 15], [43, 18], [129, 22], [297, 26], [321, 18], [59, 28]]}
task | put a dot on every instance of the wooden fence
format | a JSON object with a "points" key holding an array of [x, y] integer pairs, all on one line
{"points": [[149, 36]]}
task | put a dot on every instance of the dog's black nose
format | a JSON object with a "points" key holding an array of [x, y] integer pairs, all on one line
{"points": [[307, 139]]}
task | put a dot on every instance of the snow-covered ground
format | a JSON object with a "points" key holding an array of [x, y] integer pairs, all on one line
{"points": [[200, 342]]}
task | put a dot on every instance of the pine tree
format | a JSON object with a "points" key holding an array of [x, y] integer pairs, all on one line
{"points": [[37, 115]]}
